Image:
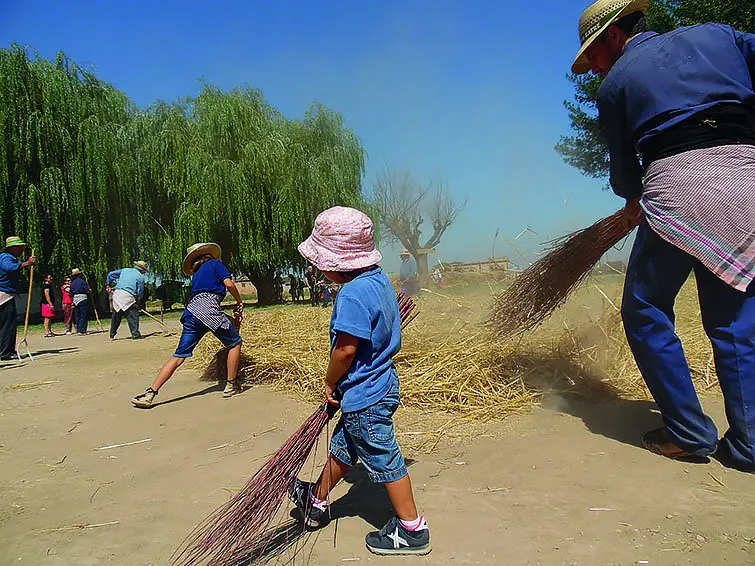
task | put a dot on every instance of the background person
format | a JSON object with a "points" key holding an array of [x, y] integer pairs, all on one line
{"points": [[10, 267], [47, 304], [127, 286], [67, 304], [209, 283], [80, 292], [407, 276]]}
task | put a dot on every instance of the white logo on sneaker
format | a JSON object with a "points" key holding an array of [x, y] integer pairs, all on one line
{"points": [[397, 540]]}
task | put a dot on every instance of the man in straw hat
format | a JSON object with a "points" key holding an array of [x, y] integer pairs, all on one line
{"points": [[683, 100], [127, 286], [80, 293], [210, 280], [10, 266]]}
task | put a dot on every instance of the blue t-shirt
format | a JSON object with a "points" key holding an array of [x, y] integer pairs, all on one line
{"points": [[209, 278], [366, 308], [9, 273]]}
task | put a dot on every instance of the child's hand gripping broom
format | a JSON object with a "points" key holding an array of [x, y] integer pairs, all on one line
{"points": [[236, 527], [547, 283]]}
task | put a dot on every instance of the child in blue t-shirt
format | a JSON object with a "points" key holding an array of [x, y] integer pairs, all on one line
{"points": [[365, 332], [209, 283]]}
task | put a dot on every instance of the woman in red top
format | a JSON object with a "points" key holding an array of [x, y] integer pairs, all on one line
{"points": [[67, 302]]}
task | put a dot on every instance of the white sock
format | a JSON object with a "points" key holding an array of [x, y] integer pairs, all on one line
{"points": [[319, 503], [413, 525]]}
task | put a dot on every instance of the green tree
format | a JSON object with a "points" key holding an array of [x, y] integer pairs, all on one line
{"points": [[237, 172], [402, 204], [585, 149], [62, 166]]}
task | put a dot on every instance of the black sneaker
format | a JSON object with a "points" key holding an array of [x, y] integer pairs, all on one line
{"points": [[315, 516], [393, 538]]}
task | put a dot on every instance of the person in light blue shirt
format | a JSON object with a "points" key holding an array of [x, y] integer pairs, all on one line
{"points": [[365, 332], [127, 286]]}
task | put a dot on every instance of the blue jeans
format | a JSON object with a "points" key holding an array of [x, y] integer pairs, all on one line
{"points": [[80, 316], [655, 274], [368, 436], [193, 331]]}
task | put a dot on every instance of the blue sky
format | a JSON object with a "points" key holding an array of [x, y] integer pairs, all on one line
{"points": [[467, 92]]}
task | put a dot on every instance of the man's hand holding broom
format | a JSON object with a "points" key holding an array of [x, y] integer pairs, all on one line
{"points": [[633, 213]]}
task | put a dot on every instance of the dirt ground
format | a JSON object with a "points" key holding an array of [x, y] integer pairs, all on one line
{"points": [[563, 484]]}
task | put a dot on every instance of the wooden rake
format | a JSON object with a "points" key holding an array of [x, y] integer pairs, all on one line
{"points": [[24, 341]]}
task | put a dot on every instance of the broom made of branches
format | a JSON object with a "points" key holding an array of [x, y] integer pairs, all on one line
{"points": [[547, 283], [239, 528]]}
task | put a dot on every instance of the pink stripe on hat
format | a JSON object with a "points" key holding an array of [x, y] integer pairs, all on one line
{"points": [[342, 240]]}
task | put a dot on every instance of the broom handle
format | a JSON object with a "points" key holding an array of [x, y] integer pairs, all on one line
{"points": [[96, 314], [152, 317], [28, 299]]}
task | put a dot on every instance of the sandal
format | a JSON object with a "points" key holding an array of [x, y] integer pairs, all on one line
{"points": [[144, 401], [659, 441]]}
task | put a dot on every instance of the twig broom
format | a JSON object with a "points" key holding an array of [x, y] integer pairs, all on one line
{"points": [[237, 527], [547, 283]]}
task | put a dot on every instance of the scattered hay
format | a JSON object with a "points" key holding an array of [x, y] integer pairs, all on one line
{"points": [[453, 372]]}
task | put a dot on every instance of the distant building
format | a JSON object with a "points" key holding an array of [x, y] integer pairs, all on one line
{"points": [[244, 285], [498, 264]]}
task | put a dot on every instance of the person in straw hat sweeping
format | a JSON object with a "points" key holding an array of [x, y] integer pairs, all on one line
{"points": [[365, 332], [127, 286], [10, 268], [210, 281], [684, 100]]}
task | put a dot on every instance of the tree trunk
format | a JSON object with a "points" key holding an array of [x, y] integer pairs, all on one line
{"points": [[263, 282], [423, 271]]}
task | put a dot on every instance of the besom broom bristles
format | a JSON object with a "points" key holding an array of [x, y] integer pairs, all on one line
{"points": [[237, 529], [233, 529], [546, 284]]}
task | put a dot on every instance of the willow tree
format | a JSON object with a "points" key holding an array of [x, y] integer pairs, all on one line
{"points": [[66, 177], [229, 168]]}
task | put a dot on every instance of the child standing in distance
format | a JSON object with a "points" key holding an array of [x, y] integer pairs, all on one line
{"points": [[209, 282], [67, 302], [365, 331]]}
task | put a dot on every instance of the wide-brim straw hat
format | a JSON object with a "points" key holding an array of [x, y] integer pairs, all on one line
{"points": [[343, 239], [75, 271], [404, 252], [14, 241], [596, 19], [198, 250], [141, 265]]}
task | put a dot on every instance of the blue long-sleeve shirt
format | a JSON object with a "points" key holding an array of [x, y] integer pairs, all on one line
{"points": [[661, 80], [79, 286], [129, 279], [9, 273]]}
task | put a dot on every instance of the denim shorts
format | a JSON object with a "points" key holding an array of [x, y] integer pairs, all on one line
{"points": [[367, 436], [194, 330]]}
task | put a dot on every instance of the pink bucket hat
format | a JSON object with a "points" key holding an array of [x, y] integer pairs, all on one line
{"points": [[342, 240]]}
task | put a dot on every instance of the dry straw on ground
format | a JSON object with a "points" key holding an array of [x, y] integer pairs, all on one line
{"points": [[450, 365]]}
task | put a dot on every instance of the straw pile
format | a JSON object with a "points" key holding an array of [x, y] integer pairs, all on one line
{"points": [[451, 367], [547, 283]]}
